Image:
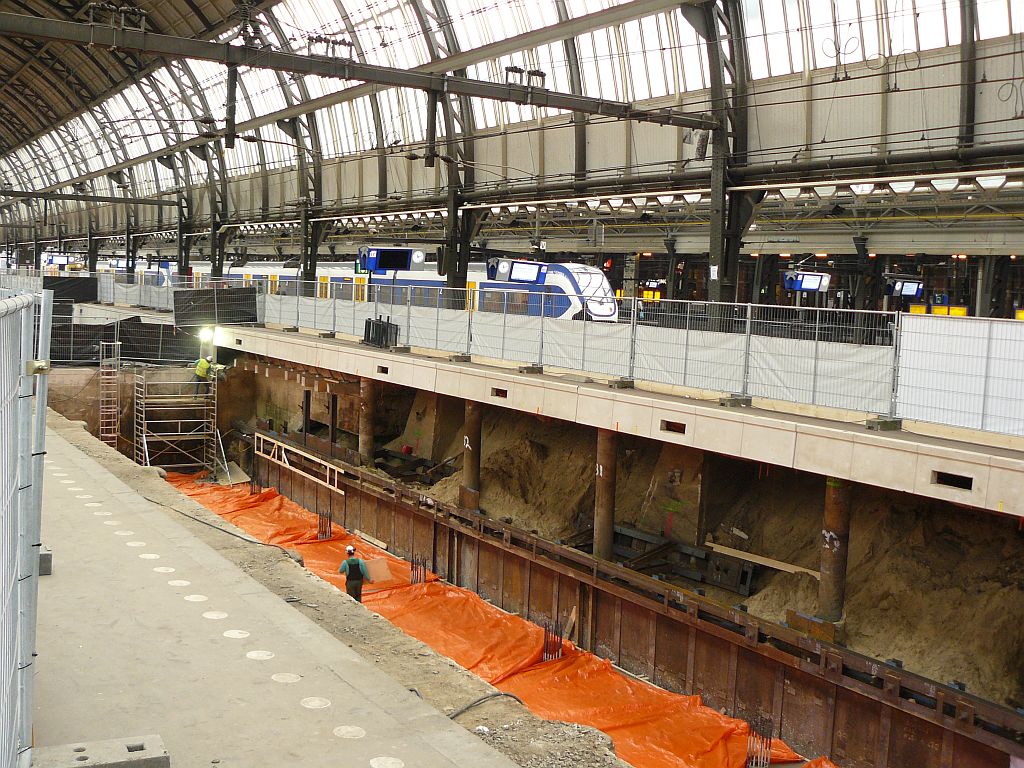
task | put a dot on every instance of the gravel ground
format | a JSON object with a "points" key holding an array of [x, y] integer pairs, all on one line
{"points": [[503, 723]]}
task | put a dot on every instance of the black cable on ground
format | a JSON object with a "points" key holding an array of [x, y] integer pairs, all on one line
{"points": [[290, 553], [482, 699]]}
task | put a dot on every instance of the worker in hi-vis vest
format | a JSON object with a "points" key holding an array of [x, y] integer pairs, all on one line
{"points": [[203, 368], [355, 572]]}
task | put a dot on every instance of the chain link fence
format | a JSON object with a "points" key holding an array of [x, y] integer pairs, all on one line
{"points": [[22, 436]]}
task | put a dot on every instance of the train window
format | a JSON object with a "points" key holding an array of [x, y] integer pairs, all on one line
{"points": [[511, 302], [342, 290]]}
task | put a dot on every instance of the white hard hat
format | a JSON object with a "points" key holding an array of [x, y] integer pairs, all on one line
{"points": [[209, 358], [350, 549]]}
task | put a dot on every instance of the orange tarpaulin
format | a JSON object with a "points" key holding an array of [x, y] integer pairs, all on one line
{"points": [[651, 727], [821, 762]]}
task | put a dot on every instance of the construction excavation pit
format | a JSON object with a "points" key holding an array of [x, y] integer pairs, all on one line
{"points": [[573, 591]]}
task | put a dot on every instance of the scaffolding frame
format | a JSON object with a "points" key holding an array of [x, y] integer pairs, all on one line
{"points": [[176, 421], [110, 392]]}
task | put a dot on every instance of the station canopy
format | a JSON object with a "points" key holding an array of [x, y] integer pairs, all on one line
{"points": [[68, 111]]}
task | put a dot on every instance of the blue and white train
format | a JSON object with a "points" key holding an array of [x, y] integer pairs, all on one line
{"points": [[513, 286]]}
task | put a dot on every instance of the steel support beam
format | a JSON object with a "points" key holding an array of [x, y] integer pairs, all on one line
{"points": [[19, 194], [171, 47], [835, 546], [968, 71], [604, 495], [469, 492]]}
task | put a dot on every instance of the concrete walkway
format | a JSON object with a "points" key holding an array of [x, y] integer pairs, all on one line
{"points": [[145, 629]]}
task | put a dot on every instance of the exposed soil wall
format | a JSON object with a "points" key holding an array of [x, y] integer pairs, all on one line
{"points": [[938, 586]]}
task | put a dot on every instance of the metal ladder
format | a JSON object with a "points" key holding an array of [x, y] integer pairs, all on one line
{"points": [[110, 392]]}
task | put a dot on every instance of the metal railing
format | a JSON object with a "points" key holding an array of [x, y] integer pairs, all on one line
{"points": [[23, 389], [959, 372]]}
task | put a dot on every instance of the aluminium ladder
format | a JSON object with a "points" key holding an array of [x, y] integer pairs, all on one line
{"points": [[110, 394]]}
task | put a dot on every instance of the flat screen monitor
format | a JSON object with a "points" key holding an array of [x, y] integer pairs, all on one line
{"points": [[910, 288], [809, 282], [58, 259], [524, 272], [394, 258]]}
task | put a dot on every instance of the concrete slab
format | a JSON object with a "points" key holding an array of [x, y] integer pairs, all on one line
{"points": [[145, 629], [135, 752]]}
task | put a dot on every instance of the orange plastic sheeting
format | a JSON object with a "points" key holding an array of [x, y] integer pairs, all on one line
{"points": [[457, 623], [274, 519], [821, 762], [651, 727]]}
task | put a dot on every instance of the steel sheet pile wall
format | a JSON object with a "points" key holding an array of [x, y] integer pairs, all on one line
{"points": [[824, 698], [21, 455]]}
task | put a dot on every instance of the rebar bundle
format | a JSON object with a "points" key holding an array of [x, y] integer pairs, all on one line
{"points": [[759, 742], [418, 571], [553, 634], [323, 526]]}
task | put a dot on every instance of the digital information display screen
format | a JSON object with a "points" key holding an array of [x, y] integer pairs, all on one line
{"points": [[394, 258], [810, 282], [910, 288], [524, 272]]}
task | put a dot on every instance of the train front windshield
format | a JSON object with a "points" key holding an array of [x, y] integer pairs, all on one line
{"points": [[597, 292]]}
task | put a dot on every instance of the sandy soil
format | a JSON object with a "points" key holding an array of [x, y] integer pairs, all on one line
{"points": [[937, 586], [509, 727]]}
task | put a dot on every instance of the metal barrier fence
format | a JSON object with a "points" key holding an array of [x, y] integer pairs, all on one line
{"points": [[960, 372], [22, 439]]}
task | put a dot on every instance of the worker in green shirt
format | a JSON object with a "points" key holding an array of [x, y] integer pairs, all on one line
{"points": [[354, 570]]}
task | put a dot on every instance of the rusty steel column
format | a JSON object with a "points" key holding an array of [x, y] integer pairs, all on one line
{"points": [[469, 491], [835, 541], [604, 496], [367, 415]]}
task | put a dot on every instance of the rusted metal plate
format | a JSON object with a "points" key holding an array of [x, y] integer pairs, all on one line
{"points": [[755, 685], [856, 731], [670, 654], [968, 753], [807, 713], [568, 598], [711, 671], [422, 538], [489, 564], [636, 637], [606, 625], [542, 590], [513, 583], [915, 742]]}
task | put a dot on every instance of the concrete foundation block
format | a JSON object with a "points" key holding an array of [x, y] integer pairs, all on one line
{"points": [[622, 383], [131, 752], [327, 335], [734, 401], [45, 561], [531, 369], [884, 424], [459, 358], [401, 349], [291, 329]]}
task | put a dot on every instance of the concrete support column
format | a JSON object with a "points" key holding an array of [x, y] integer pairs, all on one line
{"points": [[469, 492], [367, 416], [835, 540], [604, 497]]}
